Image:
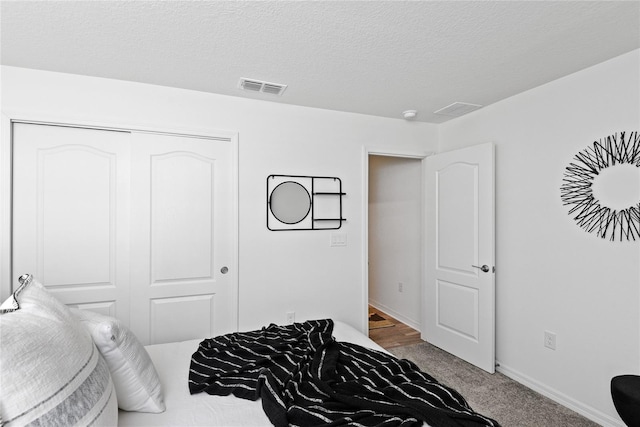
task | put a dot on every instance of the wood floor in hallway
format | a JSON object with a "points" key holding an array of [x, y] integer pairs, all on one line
{"points": [[395, 336]]}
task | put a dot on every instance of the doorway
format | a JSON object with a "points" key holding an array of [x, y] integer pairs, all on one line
{"points": [[395, 221], [458, 190]]}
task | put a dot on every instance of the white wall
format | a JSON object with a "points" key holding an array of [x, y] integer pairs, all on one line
{"points": [[551, 275], [395, 233], [279, 271]]}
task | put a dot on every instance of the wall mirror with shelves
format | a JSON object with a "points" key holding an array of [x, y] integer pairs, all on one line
{"points": [[298, 202]]}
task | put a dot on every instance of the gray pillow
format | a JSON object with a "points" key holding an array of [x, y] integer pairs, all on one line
{"points": [[52, 373]]}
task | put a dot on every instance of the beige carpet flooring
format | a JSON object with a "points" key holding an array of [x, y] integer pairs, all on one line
{"points": [[494, 395]]}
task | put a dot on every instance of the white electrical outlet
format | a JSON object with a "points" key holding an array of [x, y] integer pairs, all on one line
{"points": [[400, 287], [291, 317], [550, 340]]}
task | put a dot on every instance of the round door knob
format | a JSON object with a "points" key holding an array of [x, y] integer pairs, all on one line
{"points": [[484, 268], [224, 270]]}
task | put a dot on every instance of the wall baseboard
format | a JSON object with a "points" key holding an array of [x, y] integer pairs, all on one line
{"points": [[409, 322], [561, 398]]}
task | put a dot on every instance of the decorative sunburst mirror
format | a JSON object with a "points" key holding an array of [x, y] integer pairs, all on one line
{"points": [[601, 186]]}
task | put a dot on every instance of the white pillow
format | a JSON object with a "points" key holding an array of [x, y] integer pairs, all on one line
{"points": [[136, 380], [50, 370]]}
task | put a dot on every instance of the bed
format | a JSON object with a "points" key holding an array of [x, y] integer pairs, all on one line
{"points": [[172, 363], [63, 366]]}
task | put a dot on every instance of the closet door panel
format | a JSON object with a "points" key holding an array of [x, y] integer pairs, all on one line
{"points": [[197, 311], [75, 215], [181, 217], [182, 237], [70, 213]]}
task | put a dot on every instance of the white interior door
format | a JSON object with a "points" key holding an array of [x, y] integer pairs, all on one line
{"points": [[182, 251], [459, 293], [71, 214]]}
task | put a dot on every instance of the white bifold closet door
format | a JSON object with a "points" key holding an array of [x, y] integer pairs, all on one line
{"points": [[134, 225]]}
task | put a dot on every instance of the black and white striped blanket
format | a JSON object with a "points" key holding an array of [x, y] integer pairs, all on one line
{"points": [[306, 378]]}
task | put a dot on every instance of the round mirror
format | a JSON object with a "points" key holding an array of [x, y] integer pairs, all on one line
{"points": [[290, 202]]}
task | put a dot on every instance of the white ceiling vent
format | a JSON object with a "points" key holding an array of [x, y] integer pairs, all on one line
{"points": [[457, 109], [254, 85]]}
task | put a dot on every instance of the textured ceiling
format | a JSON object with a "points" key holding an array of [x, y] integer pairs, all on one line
{"points": [[370, 57]]}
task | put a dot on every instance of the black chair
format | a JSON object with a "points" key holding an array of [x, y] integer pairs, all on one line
{"points": [[625, 392]]}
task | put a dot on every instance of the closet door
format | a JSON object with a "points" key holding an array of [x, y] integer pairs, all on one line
{"points": [[71, 214], [182, 243]]}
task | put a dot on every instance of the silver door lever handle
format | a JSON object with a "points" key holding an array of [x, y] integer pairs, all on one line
{"points": [[484, 268]]}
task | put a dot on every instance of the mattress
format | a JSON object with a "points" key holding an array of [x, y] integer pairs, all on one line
{"points": [[172, 361]]}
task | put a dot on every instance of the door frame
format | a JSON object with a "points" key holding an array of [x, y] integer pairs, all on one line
{"points": [[387, 152], [9, 117]]}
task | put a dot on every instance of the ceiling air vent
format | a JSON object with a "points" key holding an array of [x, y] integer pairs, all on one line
{"points": [[457, 109], [254, 85]]}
